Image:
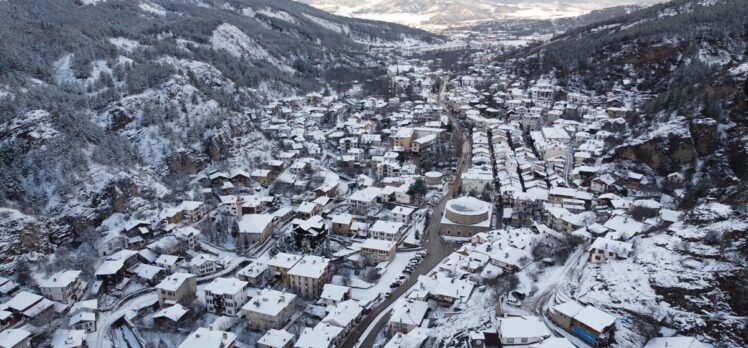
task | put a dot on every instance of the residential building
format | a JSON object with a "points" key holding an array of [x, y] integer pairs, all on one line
{"points": [[63, 286], [226, 296], [321, 336], [83, 320], [203, 264], [253, 273], [270, 309], [603, 249], [378, 250], [255, 228], [309, 275], [110, 243], [209, 338], [407, 315], [169, 262], [281, 263], [333, 294], [15, 338], [521, 330], [341, 223], [175, 287], [276, 339], [387, 230]]}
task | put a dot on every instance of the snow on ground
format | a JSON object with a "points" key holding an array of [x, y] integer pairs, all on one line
{"points": [[480, 314], [249, 12], [36, 124], [234, 41], [338, 28], [63, 71], [124, 44], [394, 270], [282, 15], [152, 8], [99, 339], [669, 279], [714, 57], [740, 69]]}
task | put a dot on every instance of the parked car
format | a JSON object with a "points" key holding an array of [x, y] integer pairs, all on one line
{"points": [[512, 301]]}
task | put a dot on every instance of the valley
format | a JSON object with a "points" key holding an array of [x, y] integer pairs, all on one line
{"points": [[256, 173]]}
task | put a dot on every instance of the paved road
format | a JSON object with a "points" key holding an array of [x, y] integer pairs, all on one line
{"points": [[437, 251], [366, 332]]}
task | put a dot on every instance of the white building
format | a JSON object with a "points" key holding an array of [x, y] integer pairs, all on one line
{"points": [[521, 330], [226, 296], [203, 264], [387, 230], [64, 286], [365, 200], [603, 249], [476, 180]]}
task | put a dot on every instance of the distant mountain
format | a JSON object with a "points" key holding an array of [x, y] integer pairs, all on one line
{"points": [[528, 26], [441, 14], [101, 102]]}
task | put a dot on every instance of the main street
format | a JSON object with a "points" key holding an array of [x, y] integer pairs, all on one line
{"points": [[366, 332]]}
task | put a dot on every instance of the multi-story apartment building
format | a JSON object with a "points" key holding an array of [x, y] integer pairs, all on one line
{"points": [[309, 275], [226, 296]]}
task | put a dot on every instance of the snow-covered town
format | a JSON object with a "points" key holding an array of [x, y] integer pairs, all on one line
{"points": [[465, 203]]}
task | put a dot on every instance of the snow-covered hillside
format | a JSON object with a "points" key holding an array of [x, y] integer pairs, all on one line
{"points": [[94, 121]]}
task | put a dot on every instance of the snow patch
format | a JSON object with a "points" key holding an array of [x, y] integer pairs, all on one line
{"points": [[282, 15], [336, 27], [124, 44], [249, 12], [152, 8], [232, 40]]}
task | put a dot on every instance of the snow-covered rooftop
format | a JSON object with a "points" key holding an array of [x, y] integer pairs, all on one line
{"points": [[522, 327], [270, 302]]}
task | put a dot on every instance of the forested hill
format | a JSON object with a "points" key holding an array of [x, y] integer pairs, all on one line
{"points": [[101, 101], [685, 64]]}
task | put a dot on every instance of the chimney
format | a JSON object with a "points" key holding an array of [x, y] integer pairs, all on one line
{"points": [[210, 327], [225, 335]]}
